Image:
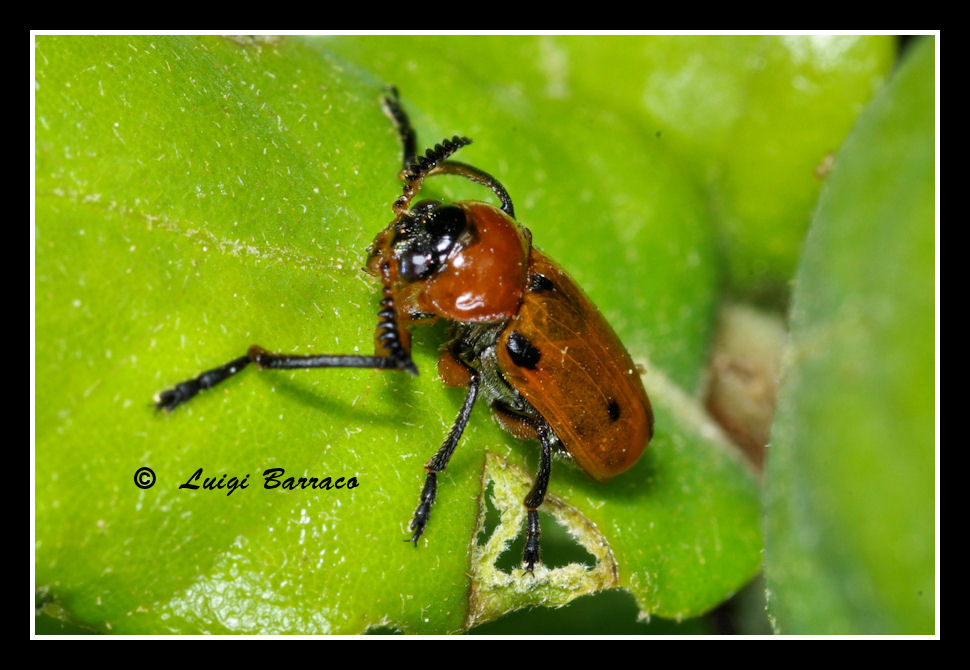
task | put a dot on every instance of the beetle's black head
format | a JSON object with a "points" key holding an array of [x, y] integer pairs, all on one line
{"points": [[425, 236]]}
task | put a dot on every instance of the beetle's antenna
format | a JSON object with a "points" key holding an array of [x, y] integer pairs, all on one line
{"points": [[391, 104], [479, 177], [416, 168], [388, 328], [414, 172]]}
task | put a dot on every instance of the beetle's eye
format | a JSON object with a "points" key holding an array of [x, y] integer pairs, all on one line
{"points": [[444, 226], [423, 249], [415, 264]]}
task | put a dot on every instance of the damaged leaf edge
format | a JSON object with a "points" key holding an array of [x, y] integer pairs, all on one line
{"points": [[494, 593]]}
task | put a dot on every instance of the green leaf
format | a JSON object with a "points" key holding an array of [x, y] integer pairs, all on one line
{"points": [[198, 195], [758, 118], [799, 98], [850, 524]]}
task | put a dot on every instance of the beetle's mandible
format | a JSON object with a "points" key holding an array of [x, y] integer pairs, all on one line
{"points": [[521, 333]]}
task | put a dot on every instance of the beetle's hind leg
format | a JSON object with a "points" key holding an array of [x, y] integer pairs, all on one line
{"points": [[526, 426], [535, 497], [440, 460]]}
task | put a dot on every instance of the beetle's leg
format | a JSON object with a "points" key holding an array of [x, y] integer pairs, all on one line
{"points": [[440, 460], [392, 348], [171, 398], [526, 426], [535, 497]]}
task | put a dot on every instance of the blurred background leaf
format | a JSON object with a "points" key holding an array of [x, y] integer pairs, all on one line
{"points": [[850, 512]]}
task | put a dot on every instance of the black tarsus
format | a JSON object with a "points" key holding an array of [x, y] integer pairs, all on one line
{"points": [[171, 398]]}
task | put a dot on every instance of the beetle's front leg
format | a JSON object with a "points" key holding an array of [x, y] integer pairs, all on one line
{"points": [[440, 460], [171, 398]]}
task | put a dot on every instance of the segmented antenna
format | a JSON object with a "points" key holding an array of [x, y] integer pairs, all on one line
{"points": [[391, 104], [415, 171], [389, 334]]}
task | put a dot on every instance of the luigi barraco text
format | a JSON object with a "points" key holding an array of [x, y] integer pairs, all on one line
{"points": [[273, 478]]}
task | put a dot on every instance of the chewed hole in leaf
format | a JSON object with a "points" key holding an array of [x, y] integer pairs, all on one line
{"points": [[576, 558], [491, 519], [559, 548]]}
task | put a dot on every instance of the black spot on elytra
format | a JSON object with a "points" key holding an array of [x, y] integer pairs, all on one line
{"points": [[523, 352], [540, 284], [614, 409]]}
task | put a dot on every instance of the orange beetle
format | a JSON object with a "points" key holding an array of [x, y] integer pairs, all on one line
{"points": [[521, 332]]}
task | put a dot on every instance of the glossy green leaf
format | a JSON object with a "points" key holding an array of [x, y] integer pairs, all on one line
{"points": [[759, 118], [801, 95], [198, 195], [850, 524]]}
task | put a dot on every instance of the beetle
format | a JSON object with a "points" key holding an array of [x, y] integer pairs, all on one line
{"points": [[521, 332]]}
